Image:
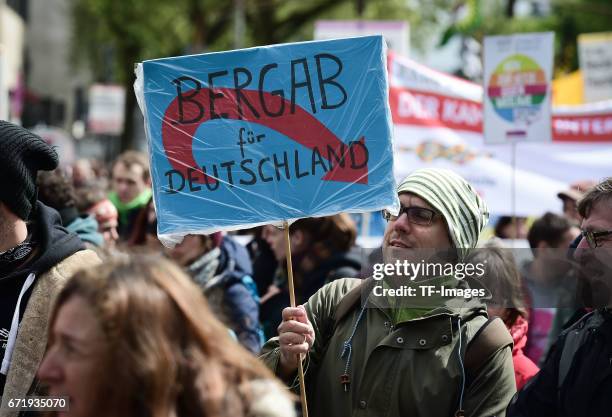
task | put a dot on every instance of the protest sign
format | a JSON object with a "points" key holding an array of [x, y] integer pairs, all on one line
{"points": [[266, 134], [595, 54], [106, 103], [517, 77]]}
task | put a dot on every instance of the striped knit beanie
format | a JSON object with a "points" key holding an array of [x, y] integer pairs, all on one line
{"points": [[22, 154], [466, 214]]}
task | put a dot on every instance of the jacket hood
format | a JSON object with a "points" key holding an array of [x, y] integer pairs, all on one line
{"points": [[232, 250], [86, 228], [464, 309], [53, 242]]}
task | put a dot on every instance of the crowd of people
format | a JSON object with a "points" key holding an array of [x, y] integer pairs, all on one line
{"points": [[95, 308]]}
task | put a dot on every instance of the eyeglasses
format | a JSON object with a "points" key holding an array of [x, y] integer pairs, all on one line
{"points": [[592, 238], [417, 215]]}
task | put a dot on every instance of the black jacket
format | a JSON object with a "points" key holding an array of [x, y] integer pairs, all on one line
{"points": [[576, 379], [52, 243]]}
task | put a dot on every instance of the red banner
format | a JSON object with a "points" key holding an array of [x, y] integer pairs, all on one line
{"points": [[413, 107], [583, 128]]}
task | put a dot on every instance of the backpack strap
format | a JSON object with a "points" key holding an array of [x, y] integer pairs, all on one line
{"points": [[490, 338]]}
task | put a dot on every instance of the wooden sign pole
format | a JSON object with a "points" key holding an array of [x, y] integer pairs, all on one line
{"points": [[292, 301]]}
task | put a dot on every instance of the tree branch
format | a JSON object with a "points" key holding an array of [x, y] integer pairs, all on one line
{"points": [[296, 20]]}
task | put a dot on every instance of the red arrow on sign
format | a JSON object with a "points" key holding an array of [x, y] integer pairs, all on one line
{"points": [[301, 126]]}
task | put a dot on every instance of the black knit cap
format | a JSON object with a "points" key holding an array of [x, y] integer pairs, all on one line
{"points": [[22, 155]]}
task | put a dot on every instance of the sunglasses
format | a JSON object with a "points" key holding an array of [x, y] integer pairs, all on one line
{"points": [[593, 238], [416, 215]]}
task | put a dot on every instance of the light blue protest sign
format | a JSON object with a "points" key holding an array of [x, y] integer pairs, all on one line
{"points": [[267, 134]]}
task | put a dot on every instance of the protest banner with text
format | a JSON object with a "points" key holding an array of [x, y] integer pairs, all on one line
{"points": [[517, 81], [267, 134]]}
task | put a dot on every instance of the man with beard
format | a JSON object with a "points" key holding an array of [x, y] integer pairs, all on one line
{"points": [[576, 379], [37, 256], [383, 358]]}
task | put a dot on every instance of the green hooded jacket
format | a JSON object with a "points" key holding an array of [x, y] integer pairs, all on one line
{"points": [[410, 369]]}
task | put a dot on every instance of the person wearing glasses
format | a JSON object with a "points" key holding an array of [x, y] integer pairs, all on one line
{"points": [[576, 378], [372, 359]]}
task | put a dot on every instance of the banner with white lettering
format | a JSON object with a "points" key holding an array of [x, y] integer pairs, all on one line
{"points": [[438, 122]]}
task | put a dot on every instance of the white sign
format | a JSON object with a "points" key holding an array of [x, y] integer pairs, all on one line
{"points": [[106, 104], [595, 55], [395, 32], [517, 81]]}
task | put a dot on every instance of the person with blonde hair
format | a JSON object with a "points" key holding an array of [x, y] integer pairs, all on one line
{"points": [[135, 337]]}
